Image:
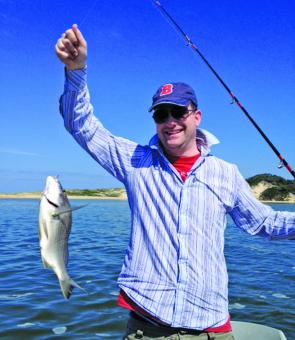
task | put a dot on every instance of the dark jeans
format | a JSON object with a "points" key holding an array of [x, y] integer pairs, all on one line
{"points": [[140, 329]]}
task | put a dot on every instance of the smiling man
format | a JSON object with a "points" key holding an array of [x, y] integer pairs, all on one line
{"points": [[174, 279], [177, 119]]}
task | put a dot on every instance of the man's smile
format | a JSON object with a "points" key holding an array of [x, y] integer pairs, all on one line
{"points": [[173, 132]]}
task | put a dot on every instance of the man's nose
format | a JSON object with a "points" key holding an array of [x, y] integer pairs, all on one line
{"points": [[170, 119]]}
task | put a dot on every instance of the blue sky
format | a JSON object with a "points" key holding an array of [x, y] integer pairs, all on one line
{"points": [[132, 50]]}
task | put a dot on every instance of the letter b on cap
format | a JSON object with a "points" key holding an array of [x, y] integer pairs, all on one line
{"points": [[166, 89]]}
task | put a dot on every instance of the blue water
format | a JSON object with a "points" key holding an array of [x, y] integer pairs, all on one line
{"points": [[262, 275]]}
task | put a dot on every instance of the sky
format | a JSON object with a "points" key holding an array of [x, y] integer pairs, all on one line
{"points": [[132, 50]]}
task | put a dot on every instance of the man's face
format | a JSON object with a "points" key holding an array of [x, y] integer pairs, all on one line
{"points": [[178, 136]]}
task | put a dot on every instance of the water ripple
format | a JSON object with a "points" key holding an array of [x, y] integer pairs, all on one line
{"points": [[260, 286]]}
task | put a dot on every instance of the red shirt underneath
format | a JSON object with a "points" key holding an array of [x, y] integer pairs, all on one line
{"points": [[125, 302], [183, 165]]}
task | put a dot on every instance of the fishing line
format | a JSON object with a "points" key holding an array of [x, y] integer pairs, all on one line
{"points": [[235, 100], [87, 13]]}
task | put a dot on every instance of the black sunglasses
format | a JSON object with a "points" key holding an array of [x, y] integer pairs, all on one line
{"points": [[160, 116]]}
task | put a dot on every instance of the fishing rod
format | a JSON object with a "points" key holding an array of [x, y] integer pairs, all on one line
{"points": [[235, 100]]}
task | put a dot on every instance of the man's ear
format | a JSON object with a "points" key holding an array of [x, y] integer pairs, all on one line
{"points": [[198, 117]]}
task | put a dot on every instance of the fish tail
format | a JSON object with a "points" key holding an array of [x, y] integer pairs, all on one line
{"points": [[67, 287]]}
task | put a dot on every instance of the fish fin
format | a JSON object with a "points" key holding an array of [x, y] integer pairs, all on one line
{"points": [[79, 207], [67, 287], [43, 226], [45, 264], [68, 210]]}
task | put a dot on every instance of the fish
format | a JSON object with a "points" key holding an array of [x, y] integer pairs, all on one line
{"points": [[55, 222]]}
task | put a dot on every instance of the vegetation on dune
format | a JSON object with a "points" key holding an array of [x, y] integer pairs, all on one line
{"points": [[116, 192], [273, 179], [274, 194], [280, 189]]}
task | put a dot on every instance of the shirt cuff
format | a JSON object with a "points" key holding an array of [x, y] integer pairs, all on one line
{"points": [[75, 80]]}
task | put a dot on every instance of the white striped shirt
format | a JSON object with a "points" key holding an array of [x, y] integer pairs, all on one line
{"points": [[174, 267]]}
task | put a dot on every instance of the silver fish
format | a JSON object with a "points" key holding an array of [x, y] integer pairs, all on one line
{"points": [[55, 220]]}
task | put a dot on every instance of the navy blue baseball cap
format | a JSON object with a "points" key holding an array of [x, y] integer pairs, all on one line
{"points": [[180, 94]]}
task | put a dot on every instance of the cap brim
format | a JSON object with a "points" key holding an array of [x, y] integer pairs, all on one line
{"points": [[166, 102]]}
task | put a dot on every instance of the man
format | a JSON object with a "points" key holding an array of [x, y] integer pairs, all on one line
{"points": [[174, 278]]}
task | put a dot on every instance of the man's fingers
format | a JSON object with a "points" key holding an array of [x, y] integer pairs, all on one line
{"points": [[71, 36], [63, 55], [70, 47], [79, 35], [60, 45], [65, 45], [75, 36]]}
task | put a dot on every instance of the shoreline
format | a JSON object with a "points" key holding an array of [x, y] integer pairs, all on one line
{"points": [[38, 196], [108, 198]]}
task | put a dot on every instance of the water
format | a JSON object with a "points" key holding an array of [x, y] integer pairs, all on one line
{"points": [[262, 275]]}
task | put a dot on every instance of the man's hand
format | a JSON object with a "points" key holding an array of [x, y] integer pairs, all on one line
{"points": [[71, 49]]}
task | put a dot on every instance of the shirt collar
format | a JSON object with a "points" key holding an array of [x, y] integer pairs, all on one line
{"points": [[204, 139]]}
